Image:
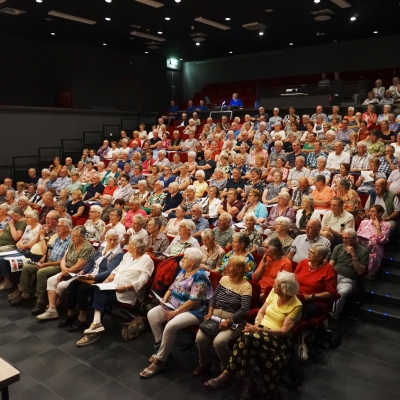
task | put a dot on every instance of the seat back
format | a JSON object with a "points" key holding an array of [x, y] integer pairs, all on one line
{"points": [[214, 279], [255, 297]]}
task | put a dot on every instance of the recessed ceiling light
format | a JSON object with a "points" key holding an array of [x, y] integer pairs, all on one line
{"points": [[177, 1], [108, 1], [160, 33], [230, 52], [197, 43], [317, 1], [375, 31], [107, 19], [39, 1], [53, 34], [146, 52], [227, 19], [353, 18], [290, 44], [261, 33], [167, 18], [181, 59], [104, 44]]}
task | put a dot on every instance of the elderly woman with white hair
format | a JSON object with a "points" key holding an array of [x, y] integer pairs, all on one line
{"points": [[141, 193], [266, 344], [78, 254], [184, 240], [136, 230], [200, 184], [157, 197], [107, 258], [305, 213], [94, 225], [190, 128], [4, 209], [22, 203], [191, 163], [320, 170], [282, 225], [212, 252], [45, 177], [111, 172], [328, 146], [188, 296], [256, 239], [184, 179], [130, 278]]}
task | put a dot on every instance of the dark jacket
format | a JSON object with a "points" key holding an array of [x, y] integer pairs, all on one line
{"points": [[106, 266]]}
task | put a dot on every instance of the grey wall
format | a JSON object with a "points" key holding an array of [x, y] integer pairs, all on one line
{"points": [[32, 73], [22, 132], [346, 56]]}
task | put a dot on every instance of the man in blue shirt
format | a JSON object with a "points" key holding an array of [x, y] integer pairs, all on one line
{"points": [[202, 106], [200, 223], [172, 112], [235, 102], [190, 107]]}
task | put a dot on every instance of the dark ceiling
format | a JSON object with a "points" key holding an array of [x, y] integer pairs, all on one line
{"points": [[290, 21]]}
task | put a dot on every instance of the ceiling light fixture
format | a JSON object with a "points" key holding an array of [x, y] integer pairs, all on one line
{"points": [[375, 31], [151, 3], [104, 44], [290, 44], [167, 18], [146, 52], [212, 23], [53, 34], [317, 1], [39, 1], [261, 33], [107, 19], [197, 43], [160, 33], [177, 1], [230, 52], [181, 59], [353, 18], [227, 19], [268, 10], [108, 1], [146, 36], [72, 17], [341, 3]]}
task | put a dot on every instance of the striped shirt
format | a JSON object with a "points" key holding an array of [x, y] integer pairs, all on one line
{"points": [[232, 297]]}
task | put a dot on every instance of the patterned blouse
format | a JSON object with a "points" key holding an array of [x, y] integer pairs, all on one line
{"points": [[157, 199], [274, 214], [94, 230], [339, 177], [273, 190], [286, 243], [256, 239], [151, 179], [196, 288], [180, 181], [377, 147], [219, 184], [250, 264], [352, 201], [160, 244], [85, 253], [211, 260]]}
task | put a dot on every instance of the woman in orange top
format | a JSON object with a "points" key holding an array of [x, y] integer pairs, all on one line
{"points": [[317, 280], [111, 186], [272, 263]]}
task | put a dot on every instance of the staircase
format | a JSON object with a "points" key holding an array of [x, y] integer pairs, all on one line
{"points": [[383, 295]]}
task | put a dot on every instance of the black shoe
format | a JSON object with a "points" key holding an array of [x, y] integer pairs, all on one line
{"points": [[39, 308], [77, 326], [67, 321]]}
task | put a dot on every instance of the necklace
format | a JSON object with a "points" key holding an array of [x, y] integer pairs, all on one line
{"points": [[311, 268], [191, 273]]}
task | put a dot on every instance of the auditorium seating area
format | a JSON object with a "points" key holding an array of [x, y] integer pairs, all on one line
{"points": [[360, 360]]}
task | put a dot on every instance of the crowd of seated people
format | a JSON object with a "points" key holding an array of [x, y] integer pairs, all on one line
{"points": [[289, 203]]}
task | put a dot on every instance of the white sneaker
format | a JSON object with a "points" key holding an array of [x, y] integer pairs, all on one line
{"points": [[49, 314], [6, 285], [303, 352], [94, 328]]}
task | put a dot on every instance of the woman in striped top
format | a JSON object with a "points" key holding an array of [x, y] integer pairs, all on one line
{"points": [[230, 302]]}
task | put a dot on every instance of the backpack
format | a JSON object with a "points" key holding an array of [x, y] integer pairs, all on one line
{"points": [[166, 273]]}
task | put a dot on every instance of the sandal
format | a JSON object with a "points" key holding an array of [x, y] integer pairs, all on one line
{"points": [[155, 369], [215, 384], [201, 369]]}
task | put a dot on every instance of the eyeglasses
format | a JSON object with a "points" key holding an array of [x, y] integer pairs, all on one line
{"points": [[311, 252]]}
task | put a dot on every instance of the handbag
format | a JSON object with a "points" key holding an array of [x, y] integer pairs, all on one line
{"points": [[210, 328], [133, 329]]}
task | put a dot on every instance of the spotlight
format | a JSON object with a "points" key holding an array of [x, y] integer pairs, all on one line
{"points": [[261, 33], [197, 43], [353, 18]]}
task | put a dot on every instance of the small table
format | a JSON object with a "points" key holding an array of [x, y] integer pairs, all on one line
{"points": [[8, 376]]}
